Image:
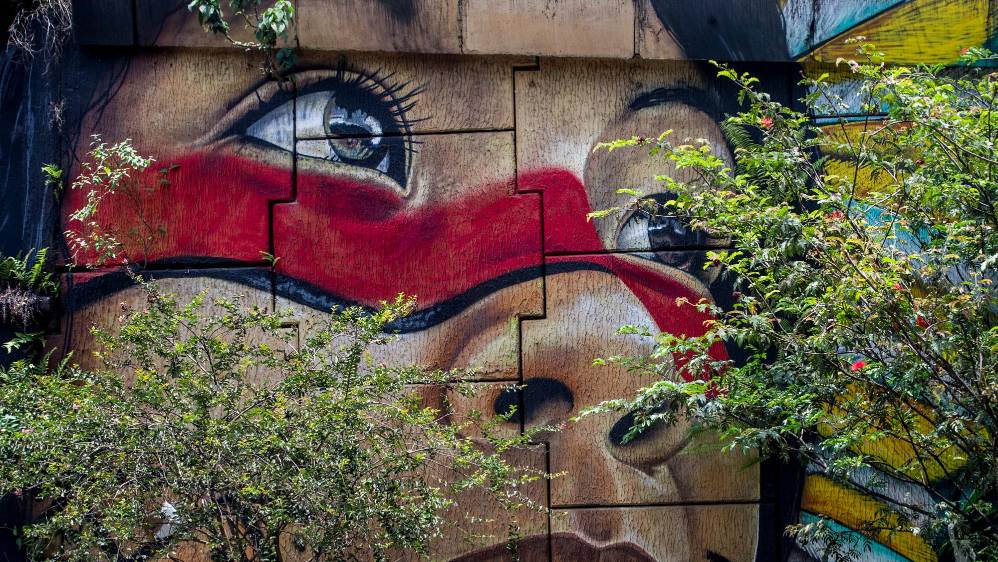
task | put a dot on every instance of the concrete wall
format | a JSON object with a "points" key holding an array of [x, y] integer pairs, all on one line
{"points": [[444, 148]]}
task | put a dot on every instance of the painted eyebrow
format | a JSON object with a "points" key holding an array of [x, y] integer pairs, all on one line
{"points": [[695, 97]]}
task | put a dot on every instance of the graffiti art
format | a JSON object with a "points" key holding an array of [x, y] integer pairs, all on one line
{"points": [[417, 148]]}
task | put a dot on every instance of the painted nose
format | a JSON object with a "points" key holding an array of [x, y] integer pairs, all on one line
{"points": [[541, 401]]}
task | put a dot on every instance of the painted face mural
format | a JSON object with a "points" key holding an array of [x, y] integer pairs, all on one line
{"points": [[369, 176], [465, 181]]}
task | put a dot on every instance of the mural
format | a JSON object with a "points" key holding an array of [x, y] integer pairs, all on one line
{"points": [[377, 175], [421, 147], [805, 31]]}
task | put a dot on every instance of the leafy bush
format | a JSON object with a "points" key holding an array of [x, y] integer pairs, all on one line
{"points": [[269, 25], [214, 432], [25, 288], [28, 271], [864, 253], [112, 170]]}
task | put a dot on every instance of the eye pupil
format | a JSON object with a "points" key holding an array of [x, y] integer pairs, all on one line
{"points": [[353, 148], [345, 128]]}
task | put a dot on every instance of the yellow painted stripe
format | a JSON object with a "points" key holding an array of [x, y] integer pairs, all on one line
{"points": [[866, 180], [897, 452], [840, 165], [928, 31], [848, 506]]}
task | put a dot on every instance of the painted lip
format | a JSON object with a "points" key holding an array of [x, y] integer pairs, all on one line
{"points": [[564, 546]]}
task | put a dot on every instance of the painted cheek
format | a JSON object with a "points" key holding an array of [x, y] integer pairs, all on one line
{"points": [[566, 230], [658, 292], [362, 242]]}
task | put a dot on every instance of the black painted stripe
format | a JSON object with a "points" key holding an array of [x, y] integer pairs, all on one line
{"points": [[302, 292]]}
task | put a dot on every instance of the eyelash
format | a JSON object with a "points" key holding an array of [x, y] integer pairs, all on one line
{"points": [[352, 117], [398, 97]]}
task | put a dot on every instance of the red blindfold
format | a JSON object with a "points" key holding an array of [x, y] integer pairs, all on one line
{"points": [[364, 244]]}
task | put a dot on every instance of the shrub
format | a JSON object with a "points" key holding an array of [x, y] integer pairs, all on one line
{"points": [[214, 432], [864, 253]]}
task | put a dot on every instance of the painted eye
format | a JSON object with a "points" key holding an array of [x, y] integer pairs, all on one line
{"points": [[671, 241], [652, 226], [346, 117], [276, 127], [634, 234]]}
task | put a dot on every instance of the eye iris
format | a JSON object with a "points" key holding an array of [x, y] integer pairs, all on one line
{"points": [[355, 132], [353, 148], [653, 226], [665, 230]]}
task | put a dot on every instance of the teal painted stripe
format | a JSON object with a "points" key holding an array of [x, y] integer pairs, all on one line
{"points": [[870, 551], [831, 18]]}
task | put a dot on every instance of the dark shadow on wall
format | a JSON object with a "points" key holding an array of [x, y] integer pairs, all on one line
{"points": [[746, 30], [401, 10], [28, 139], [30, 122], [24, 206]]}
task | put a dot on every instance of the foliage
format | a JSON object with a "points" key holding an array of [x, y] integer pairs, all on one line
{"points": [[27, 287], [208, 429], [53, 176], [864, 254], [22, 340], [112, 171], [269, 259], [29, 271], [269, 26], [24, 282]]}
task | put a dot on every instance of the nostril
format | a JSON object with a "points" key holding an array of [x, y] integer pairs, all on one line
{"points": [[618, 433], [539, 400], [509, 402], [649, 448], [620, 429]]}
